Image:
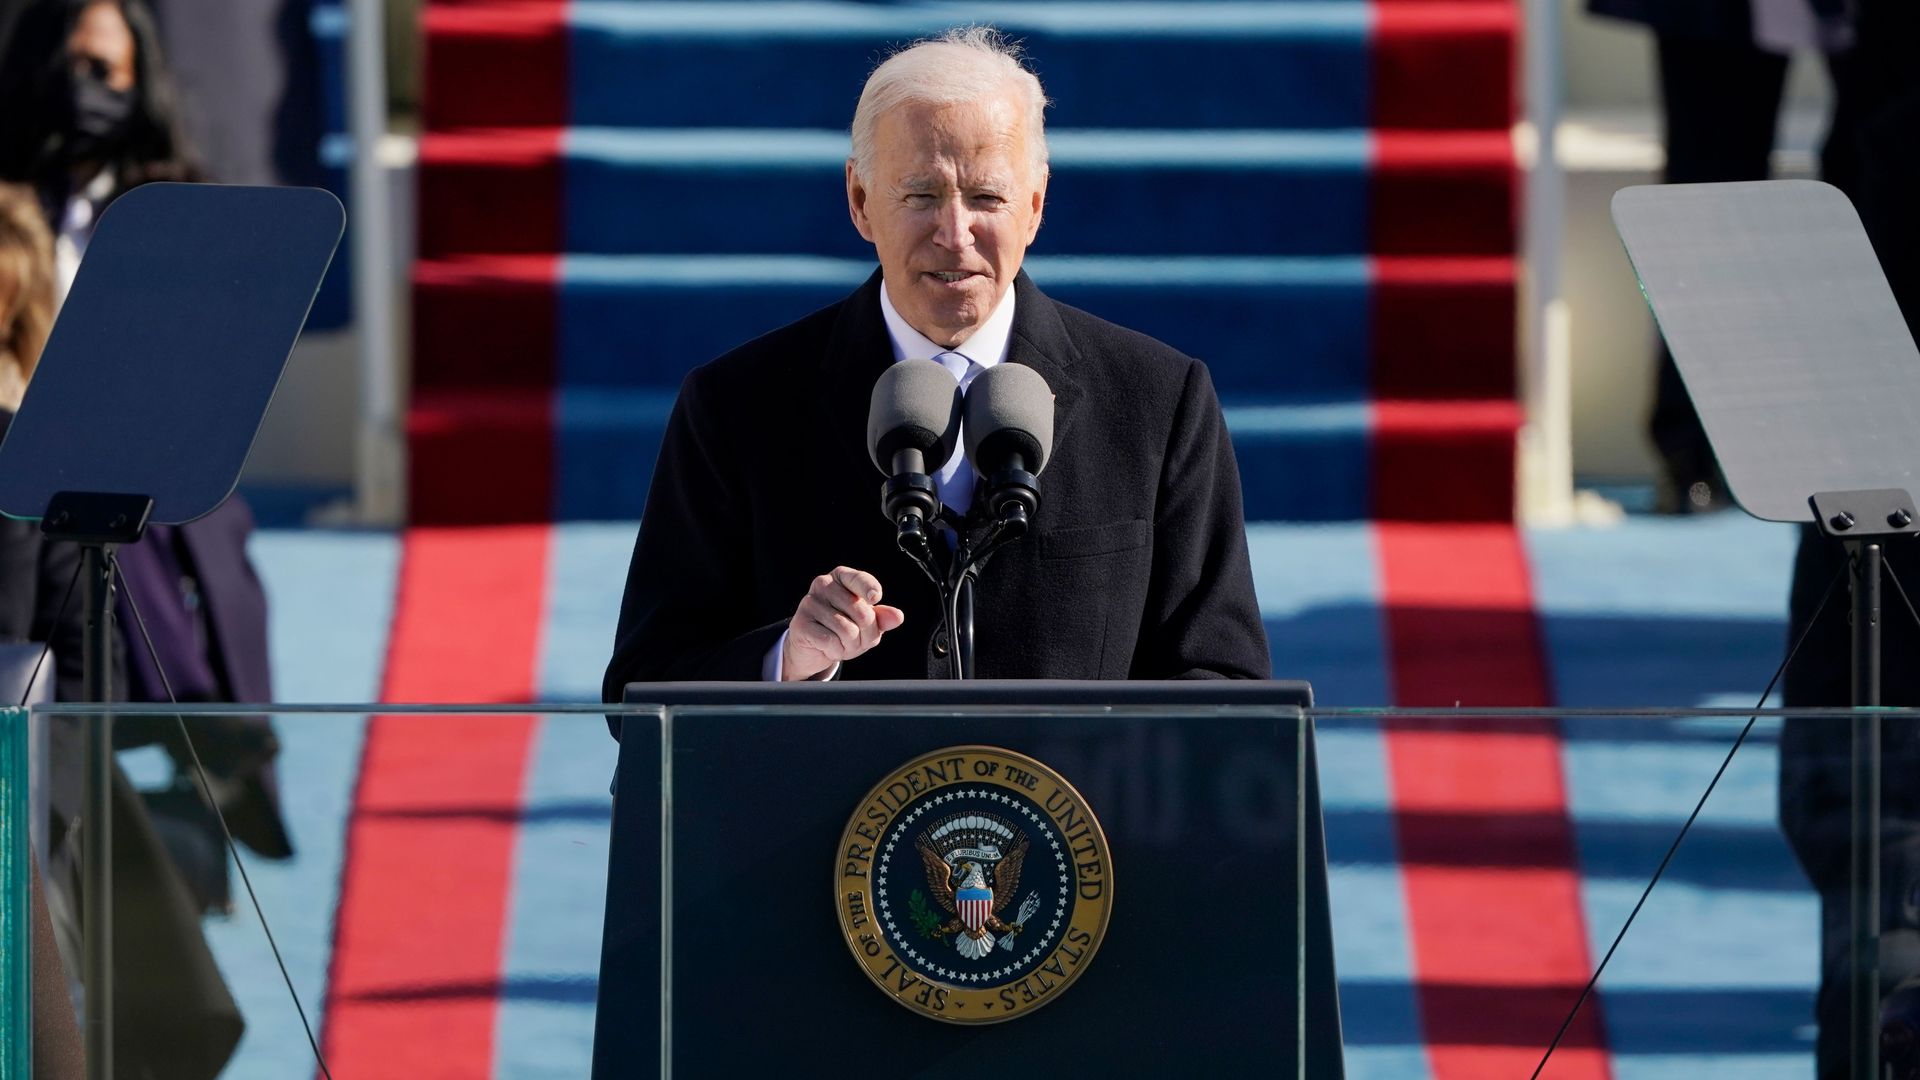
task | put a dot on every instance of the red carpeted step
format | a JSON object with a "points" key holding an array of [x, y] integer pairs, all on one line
{"points": [[480, 457], [485, 321], [1444, 327], [493, 191], [494, 63], [1445, 64], [1445, 460], [1443, 193]]}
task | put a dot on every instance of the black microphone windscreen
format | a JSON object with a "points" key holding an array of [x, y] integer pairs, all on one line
{"points": [[1009, 411], [916, 405]]}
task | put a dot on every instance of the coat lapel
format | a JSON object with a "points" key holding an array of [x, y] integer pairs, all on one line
{"points": [[1040, 342], [857, 353]]}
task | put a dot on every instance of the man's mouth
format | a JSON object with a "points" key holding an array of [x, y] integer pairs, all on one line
{"points": [[951, 276]]}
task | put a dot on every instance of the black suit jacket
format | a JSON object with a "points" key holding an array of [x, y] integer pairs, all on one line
{"points": [[1719, 20], [1136, 567]]}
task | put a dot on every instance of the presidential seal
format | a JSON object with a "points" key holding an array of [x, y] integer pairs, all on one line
{"points": [[973, 884]]}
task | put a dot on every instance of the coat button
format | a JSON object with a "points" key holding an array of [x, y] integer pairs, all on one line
{"points": [[940, 646]]}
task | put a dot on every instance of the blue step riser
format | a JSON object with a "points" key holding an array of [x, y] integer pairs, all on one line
{"points": [[1315, 80], [1304, 340], [626, 209], [602, 471]]}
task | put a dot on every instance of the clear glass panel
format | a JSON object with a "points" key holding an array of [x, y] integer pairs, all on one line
{"points": [[15, 873], [439, 912], [1482, 864], [445, 908], [446, 896]]}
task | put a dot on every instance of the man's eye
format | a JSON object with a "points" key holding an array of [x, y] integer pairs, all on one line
{"points": [[989, 200], [919, 198]]}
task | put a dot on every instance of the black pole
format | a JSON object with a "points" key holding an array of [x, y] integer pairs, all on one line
{"points": [[963, 625], [1863, 1031], [97, 838]]}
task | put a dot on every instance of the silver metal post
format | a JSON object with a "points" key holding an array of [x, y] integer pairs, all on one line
{"points": [[377, 450], [1546, 378]]}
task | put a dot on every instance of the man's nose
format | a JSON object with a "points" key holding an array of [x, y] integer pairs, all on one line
{"points": [[954, 229]]}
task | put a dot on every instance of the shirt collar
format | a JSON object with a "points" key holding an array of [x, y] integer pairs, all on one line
{"points": [[987, 346]]}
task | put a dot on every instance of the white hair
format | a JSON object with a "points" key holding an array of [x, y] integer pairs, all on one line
{"points": [[966, 63]]}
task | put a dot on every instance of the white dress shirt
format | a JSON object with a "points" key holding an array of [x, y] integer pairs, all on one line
{"points": [[77, 220], [981, 350]]}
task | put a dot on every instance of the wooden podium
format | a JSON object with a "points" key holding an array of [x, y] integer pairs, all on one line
{"points": [[1188, 932]]}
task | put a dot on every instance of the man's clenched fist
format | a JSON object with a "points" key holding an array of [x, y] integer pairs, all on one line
{"points": [[840, 617]]}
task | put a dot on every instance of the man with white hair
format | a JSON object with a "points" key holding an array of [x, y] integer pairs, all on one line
{"points": [[762, 553]]}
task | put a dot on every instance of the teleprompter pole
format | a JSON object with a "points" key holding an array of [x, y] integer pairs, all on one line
{"points": [[1864, 522], [98, 523], [97, 844], [1863, 991]]}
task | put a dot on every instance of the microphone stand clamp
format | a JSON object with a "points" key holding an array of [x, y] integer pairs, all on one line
{"points": [[912, 501]]}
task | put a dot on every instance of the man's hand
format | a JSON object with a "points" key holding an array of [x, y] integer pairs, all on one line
{"points": [[840, 617]]}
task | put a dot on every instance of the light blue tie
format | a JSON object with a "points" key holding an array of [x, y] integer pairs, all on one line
{"points": [[955, 478]]}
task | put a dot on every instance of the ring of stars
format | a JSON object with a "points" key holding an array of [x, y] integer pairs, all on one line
{"points": [[1019, 963]]}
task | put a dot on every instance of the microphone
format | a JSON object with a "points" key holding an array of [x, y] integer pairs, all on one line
{"points": [[1009, 435], [913, 425]]}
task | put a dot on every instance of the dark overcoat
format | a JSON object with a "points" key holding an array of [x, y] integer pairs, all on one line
{"points": [[1136, 567]]}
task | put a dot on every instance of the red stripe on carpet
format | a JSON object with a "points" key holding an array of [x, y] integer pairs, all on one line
{"points": [[1443, 193], [1461, 630], [481, 458], [480, 426], [1444, 64], [1444, 460], [493, 64], [1443, 327], [419, 932], [491, 192]]}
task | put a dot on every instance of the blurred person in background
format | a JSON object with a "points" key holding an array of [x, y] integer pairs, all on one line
{"points": [[91, 114], [1722, 68], [1871, 153]]}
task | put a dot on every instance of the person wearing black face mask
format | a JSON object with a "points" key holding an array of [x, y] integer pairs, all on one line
{"points": [[98, 113]]}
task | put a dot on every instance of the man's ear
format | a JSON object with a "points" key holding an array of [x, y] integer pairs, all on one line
{"points": [[1039, 205], [857, 204]]}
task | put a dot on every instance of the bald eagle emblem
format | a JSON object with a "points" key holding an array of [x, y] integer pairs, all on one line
{"points": [[973, 866]]}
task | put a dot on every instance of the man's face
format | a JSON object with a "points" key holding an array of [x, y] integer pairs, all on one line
{"points": [[951, 208]]}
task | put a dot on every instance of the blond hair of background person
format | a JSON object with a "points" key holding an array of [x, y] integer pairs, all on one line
{"points": [[26, 290]]}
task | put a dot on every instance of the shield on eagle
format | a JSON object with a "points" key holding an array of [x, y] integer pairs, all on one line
{"points": [[973, 906]]}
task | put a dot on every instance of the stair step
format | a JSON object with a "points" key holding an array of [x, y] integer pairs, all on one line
{"points": [[1420, 328], [588, 455], [1300, 64], [624, 191]]}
